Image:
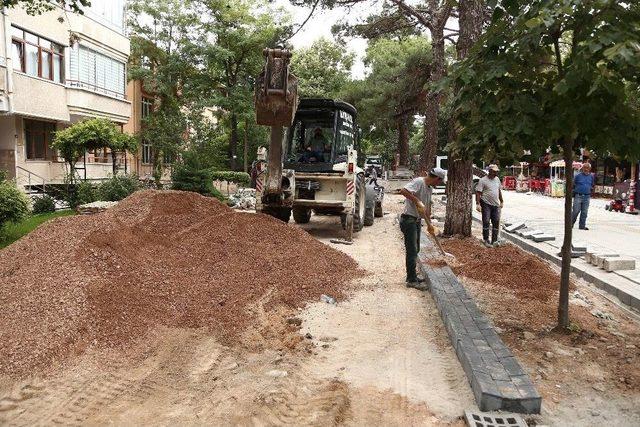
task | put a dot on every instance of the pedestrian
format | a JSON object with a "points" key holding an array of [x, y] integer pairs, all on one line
{"points": [[417, 206], [489, 202], [582, 186]]}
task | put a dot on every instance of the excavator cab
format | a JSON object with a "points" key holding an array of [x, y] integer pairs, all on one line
{"points": [[320, 137]]}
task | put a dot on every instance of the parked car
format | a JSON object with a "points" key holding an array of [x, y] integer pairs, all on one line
{"points": [[373, 162]]}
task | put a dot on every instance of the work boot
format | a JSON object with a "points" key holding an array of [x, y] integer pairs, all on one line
{"points": [[486, 244], [419, 284], [498, 243]]}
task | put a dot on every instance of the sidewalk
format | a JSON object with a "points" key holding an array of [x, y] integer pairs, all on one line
{"points": [[609, 232]]}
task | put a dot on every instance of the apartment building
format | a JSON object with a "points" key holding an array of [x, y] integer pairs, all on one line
{"points": [[56, 69]]}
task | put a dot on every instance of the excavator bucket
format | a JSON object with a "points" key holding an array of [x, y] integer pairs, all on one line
{"points": [[276, 92]]}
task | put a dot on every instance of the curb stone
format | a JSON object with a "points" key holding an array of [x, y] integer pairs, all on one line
{"points": [[496, 377]]}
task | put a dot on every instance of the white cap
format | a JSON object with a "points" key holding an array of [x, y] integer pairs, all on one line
{"points": [[494, 168], [440, 173]]}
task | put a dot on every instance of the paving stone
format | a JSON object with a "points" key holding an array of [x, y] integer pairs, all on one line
{"points": [[514, 227], [599, 259], [513, 367], [618, 264], [522, 231], [531, 233], [507, 389], [544, 238], [497, 379], [579, 247], [595, 258]]}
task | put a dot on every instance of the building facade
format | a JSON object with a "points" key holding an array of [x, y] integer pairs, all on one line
{"points": [[141, 107], [56, 69]]}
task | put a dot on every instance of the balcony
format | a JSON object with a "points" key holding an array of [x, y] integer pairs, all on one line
{"points": [[87, 100], [38, 97]]}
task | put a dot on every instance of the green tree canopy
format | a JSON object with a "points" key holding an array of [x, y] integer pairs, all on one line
{"points": [[72, 142], [392, 93], [230, 57], [553, 72], [323, 69]]}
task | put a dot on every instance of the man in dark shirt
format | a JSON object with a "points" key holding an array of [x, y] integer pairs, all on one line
{"points": [[582, 186]]}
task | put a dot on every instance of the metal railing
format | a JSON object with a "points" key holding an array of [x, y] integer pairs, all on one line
{"points": [[32, 177], [95, 88]]}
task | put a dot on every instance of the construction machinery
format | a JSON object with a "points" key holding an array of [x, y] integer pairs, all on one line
{"points": [[312, 165]]}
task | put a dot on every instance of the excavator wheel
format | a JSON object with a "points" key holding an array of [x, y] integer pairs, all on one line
{"points": [[360, 204]]}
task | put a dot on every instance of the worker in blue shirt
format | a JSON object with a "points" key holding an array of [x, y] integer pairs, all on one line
{"points": [[582, 186]]}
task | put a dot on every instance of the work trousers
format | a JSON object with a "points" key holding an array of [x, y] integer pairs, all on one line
{"points": [[411, 227], [490, 220], [581, 207]]}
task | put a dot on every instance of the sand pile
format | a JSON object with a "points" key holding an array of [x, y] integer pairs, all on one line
{"points": [[158, 258]]}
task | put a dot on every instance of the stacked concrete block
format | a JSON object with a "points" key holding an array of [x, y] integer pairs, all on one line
{"points": [[619, 264], [599, 259], [497, 379]]}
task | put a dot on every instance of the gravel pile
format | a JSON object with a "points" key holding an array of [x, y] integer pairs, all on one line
{"points": [[157, 258]]}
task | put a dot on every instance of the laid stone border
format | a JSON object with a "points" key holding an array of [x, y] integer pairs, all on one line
{"points": [[496, 377]]}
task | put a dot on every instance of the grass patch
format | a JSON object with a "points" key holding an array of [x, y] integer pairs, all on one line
{"points": [[13, 231]]}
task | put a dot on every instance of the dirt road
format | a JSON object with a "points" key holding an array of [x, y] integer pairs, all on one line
{"points": [[379, 358]]}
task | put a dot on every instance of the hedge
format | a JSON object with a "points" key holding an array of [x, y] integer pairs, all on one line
{"points": [[231, 176]]}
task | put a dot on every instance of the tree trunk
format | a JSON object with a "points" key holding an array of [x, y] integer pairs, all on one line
{"points": [[233, 142], [563, 305], [460, 176], [245, 162], [432, 110], [114, 166], [459, 198], [403, 139]]}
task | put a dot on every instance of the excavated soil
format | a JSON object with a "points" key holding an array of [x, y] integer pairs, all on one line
{"points": [[159, 258], [507, 267]]}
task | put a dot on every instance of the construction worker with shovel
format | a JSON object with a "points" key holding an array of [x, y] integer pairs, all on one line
{"points": [[417, 206]]}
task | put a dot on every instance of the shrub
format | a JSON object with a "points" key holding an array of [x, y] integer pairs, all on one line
{"points": [[186, 177], [118, 187], [44, 204], [85, 193], [14, 204], [3, 175]]}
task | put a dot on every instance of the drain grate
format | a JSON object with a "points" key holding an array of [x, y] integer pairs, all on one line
{"points": [[485, 419]]}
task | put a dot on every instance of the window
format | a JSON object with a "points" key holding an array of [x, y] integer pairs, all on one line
{"points": [[147, 151], [37, 138], [146, 108], [110, 12], [37, 56], [100, 155], [97, 72]]}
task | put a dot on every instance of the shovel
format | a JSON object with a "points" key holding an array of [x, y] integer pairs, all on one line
{"points": [[435, 239]]}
